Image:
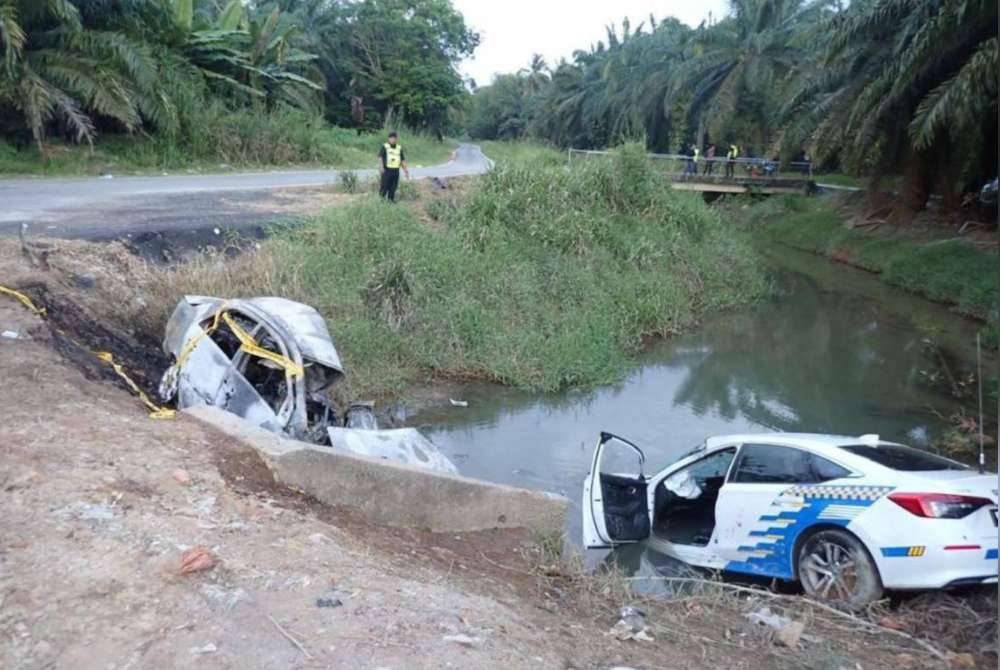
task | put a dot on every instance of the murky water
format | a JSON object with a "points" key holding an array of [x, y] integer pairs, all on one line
{"points": [[834, 350]]}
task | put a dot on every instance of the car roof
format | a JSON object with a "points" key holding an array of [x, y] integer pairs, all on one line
{"points": [[814, 441]]}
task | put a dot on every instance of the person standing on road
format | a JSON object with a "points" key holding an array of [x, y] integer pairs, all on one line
{"points": [[391, 160]]}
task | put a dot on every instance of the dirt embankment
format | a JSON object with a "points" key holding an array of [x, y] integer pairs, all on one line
{"points": [[103, 503]]}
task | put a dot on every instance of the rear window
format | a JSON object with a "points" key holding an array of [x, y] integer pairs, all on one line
{"points": [[905, 459]]}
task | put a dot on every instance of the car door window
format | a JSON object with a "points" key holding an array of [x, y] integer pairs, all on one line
{"points": [[771, 464]]}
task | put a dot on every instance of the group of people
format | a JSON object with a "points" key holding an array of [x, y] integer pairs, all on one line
{"points": [[694, 157]]}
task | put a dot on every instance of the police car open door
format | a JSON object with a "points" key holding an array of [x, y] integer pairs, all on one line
{"points": [[615, 501]]}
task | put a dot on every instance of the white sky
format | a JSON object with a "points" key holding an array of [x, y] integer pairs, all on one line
{"points": [[513, 30]]}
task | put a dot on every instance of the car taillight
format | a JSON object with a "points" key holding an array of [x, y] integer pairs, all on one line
{"points": [[939, 505]]}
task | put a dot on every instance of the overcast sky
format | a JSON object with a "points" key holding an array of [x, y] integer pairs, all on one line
{"points": [[513, 30]]}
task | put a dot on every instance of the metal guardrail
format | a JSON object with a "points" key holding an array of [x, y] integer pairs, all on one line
{"points": [[742, 168]]}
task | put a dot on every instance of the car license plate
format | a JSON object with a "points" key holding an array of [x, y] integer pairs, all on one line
{"points": [[993, 513]]}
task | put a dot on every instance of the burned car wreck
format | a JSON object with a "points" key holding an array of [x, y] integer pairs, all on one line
{"points": [[271, 361]]}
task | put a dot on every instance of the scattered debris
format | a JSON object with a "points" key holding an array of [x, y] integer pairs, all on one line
{"points": [[403, 445], [207, 649], [329, 599], [463, 640], [181, 476], [963, 660], [88, 511], [288, 636], [197, 559], [786, 631], [631, 626], [361, 416], [458, 403]]}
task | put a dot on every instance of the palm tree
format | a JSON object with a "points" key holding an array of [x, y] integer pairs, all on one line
{"points": [[736, 66], [55, 71], [908, 86], [536, 75]]}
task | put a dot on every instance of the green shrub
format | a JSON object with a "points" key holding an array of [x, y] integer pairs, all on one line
{"points": [[349, 180]]}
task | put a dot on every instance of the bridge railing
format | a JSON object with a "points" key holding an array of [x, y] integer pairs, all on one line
{"points": [[681, 166]]}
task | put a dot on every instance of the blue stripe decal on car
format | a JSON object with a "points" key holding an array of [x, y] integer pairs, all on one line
{"points": [[775, 556], [991, 554]]}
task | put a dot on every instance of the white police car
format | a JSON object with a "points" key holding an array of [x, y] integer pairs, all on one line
{"points": [[848, 517]]}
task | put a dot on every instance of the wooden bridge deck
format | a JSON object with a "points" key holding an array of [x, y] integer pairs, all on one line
{"points": [[716, 184]]}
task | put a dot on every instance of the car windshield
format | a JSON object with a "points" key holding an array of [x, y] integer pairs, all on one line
{"points": [[906, 459]]}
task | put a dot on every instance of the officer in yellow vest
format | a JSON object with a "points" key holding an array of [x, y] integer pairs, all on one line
{"points": [[731, 156], [391, 159]]}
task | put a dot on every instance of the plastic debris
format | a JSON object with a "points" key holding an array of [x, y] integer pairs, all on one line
{"points": [[329, 599], [197, 559], [631, 626], [10, 334], [207, 649], [464, 640], [458, 403], [786, 631]]}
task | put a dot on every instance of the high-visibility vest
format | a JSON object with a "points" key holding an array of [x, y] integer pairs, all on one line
{"points": [[734, 151], [393, 156], [697, 153]]}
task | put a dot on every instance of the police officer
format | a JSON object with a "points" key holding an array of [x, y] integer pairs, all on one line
{"points": [[731, 156], [391, 159]]}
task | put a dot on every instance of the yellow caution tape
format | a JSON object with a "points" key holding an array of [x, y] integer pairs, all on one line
{"points": [[155, 411], [189, 347], [24, 300], [249, 345]]}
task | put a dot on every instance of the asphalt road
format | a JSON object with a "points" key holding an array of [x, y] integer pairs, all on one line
{"points": [[106, 208]]}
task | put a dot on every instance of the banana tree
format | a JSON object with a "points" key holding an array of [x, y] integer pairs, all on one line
{"points": [[251, 56]]}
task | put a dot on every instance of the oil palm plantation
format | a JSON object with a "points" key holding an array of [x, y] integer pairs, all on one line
{"points": [[737, 68], [909, 86], [57, 73]]}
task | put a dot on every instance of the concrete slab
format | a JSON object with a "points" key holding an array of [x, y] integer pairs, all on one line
{"points": [[392, 493]]}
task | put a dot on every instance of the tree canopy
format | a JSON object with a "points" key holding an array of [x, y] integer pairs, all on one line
{"points": [[75, 67], [871, 87]]}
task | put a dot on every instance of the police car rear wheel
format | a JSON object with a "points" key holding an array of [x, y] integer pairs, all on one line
{"points": [[834, 566]]}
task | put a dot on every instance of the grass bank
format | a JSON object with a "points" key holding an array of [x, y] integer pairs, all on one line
{"points": [[505, 153], [222, 139], [538, 277], [952, 271]]}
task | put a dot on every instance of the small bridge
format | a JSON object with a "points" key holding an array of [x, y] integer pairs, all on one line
{"points": [[721, 175]]}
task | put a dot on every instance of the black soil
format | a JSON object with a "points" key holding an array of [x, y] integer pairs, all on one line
{"points": [[77, 335]]}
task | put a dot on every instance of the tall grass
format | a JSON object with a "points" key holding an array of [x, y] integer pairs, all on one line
{"points": [[219, 137], [522, 151], [543, 279]]}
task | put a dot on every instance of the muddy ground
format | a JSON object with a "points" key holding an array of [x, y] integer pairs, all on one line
{"points": [[101, 503]]}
